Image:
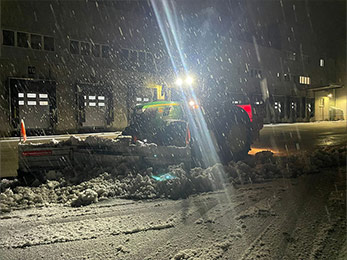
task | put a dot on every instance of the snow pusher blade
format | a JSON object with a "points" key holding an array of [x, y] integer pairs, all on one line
{"points": [[75, 156]]}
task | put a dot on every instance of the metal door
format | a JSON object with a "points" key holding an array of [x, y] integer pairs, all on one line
{"points": [[34, 102], [95, 106], [95, 110], [34, 109]]}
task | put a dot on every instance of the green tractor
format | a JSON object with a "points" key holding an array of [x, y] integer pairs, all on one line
{"points": [[214, 135]]}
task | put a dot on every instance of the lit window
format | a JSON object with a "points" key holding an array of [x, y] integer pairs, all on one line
{"points": [[146, 99], [21, 102], [102, 104], [32, 103], [92, 104], [31, 95], [20, 94], [304, 80], [101, 98], [43, 103], [43, 96], [91, 97], [321, 62], [138, 99]]}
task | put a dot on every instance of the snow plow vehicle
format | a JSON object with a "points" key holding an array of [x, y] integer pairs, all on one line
{"points": [[161, 133]]}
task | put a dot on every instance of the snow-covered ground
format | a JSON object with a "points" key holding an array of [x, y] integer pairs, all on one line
{"points": [[264, 207], [297, 218]]}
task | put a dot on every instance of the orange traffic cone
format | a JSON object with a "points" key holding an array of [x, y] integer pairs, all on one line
{"points": [[22, 131]]}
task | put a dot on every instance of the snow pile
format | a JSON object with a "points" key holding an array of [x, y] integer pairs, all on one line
{"points": [[127, 182], [264, 166]]}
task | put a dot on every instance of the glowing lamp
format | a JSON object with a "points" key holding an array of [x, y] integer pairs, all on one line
{"points": [[189, 80], [179, 82]]}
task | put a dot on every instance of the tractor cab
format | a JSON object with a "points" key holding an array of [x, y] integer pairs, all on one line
{"points": [[160, 122]]}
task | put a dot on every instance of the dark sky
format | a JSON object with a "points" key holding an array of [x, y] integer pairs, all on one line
{"points": [[329, 22]]}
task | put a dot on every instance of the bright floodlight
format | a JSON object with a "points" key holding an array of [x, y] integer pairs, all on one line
{"points": [[189, 80], [191, 103], [179, 82]]}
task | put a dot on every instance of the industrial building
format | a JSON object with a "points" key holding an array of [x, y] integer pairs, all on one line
{"points": [[74, 66]]}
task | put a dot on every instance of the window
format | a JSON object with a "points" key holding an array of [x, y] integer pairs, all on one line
{"points": [[304, 80], [278, 76], [22, 40], [124, 55], [74, 47], [259, 74], [96, 50], [142, 57], [321, 63], [306, 59], [291, 55], [150, 62], [105, 51], [133, 57], [85, 48], [48, 43], [8, 38], [142, 61], [36, 41]]}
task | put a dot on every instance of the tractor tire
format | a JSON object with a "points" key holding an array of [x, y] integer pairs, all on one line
{"points": [[236, 143], [234, 135]]}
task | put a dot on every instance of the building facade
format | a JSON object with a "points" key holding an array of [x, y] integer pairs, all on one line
{"points": [[69, 66]]}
